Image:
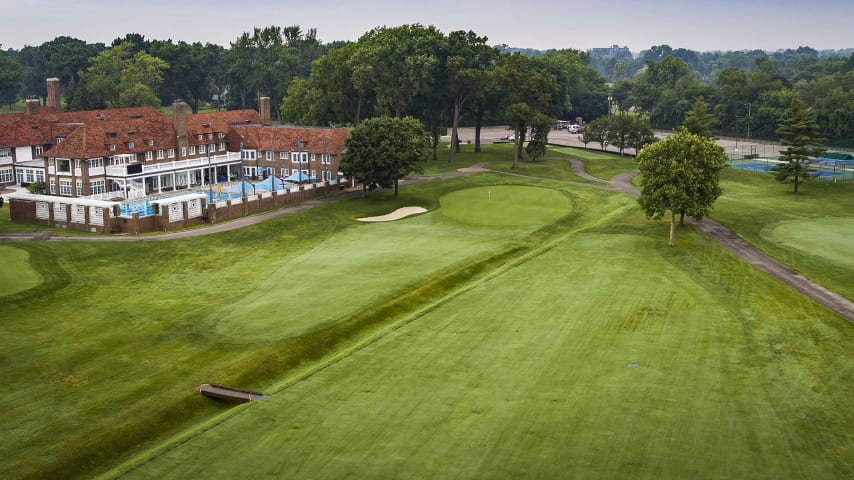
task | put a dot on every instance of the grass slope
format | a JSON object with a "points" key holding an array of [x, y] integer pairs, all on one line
{"points": [[526, 374], [16, 275], [810, 231], [441, 345]]}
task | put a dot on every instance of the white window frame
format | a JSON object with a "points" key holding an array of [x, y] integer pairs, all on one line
{"points": [[65, 188], [149, 155], [170, 153], [192, 149], [97, 187], [160, 154]]}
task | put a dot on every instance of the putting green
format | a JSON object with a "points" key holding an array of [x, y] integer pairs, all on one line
{"points": [[16, 275], [505, 206], [828, 238]]}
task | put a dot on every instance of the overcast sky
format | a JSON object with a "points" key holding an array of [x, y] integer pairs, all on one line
{"points": [[579, 24]]}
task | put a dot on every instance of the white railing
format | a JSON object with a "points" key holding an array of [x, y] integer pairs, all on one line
{"points": [[175, 165]]}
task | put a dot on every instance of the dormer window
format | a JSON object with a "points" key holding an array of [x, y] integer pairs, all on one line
{"points": [[132, 132], [112, 134], [206, 125], [210, 136], [130, 144], [112, 147], [199, 137], [151, 143], [220, 135], [59, 140]]}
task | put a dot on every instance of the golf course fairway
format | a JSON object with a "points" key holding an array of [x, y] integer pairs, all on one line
{"points": [[599, 353]]}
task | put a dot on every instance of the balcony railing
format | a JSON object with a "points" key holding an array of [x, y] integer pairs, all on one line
{"points": [[176, 165]]}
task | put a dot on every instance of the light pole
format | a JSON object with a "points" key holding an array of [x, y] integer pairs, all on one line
{"points": [[748, 121]]}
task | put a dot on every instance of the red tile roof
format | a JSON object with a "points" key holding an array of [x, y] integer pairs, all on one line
{"points": [[130, 135], [284, 138], [20, 130]]}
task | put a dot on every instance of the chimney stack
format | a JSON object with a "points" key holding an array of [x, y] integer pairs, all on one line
{"points": [[179, 123], [54, 98], [264, 106], [33, 106]]}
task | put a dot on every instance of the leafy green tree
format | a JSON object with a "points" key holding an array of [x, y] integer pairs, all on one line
{"points": [[619, 131], [597, 132], [381, 151], [332, 93], [11, 79], [699, 121], [65, 58], [117, 78], [190, 75], [405, 62], [640, 133], [469, 59], [528, 89], [798, 132], [540, 126], [680, 174]]}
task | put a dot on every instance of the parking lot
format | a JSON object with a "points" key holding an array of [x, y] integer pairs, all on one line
{"points": [[734, 147]]}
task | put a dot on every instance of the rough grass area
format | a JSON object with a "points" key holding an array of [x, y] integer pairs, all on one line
{"points": [[811, 231]]}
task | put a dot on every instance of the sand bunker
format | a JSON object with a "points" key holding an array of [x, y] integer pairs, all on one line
{"points": [[395, 215]]}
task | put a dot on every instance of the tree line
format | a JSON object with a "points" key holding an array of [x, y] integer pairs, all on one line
{"points": [[442, 80]]}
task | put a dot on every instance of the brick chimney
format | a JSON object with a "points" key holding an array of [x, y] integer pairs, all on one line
{"points": [[179, 123], [54, 95], [264, 107], [33, 106]]}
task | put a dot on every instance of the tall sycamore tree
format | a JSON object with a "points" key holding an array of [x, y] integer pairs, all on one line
{"points": [[680, 174], [798, 132]]}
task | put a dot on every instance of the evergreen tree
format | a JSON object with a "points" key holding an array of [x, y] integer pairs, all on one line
{"points": [[798, 132]]}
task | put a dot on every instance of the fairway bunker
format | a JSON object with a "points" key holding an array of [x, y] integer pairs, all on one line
{"points": [[402, 212]]}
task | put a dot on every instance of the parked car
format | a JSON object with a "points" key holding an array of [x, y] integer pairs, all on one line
{"points": [[574, 129]]}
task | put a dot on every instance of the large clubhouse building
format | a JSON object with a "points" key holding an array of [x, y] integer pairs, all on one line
{"points": [[132, 153]]}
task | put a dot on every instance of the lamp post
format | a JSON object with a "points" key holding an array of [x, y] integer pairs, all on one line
{"points": [[748, 121]]}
